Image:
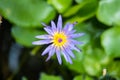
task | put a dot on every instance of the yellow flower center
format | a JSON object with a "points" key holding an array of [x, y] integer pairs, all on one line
{"points": [[59, 39]]}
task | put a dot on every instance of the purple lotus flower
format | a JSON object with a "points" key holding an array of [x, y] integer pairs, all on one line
{"points": [[61, 40]]}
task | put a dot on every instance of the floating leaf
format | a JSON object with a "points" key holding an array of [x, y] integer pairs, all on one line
{"points": [[109, 12], [26, 13], [82, 77], [114, 69], [83, 11], [77, 65], [79, 1], [110, 41], [60, 5], [92, 60], [25, 36], [24, 78], [49, 77]]}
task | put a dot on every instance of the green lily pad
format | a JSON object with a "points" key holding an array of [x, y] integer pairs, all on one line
{"points": [[110, 41], [25, 36], [109, 12], [60, 5], [84, 77], [24, 78], [49, 77], [114, 69], [79, 1], [92, 60], [77, 65], [82, 11], [26, 13], [80, 77]]}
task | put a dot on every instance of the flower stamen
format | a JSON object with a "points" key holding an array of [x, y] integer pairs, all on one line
{"points": [[59, 39]]}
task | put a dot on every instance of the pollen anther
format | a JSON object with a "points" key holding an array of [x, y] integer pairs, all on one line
{"points": [[59, 39]]}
